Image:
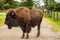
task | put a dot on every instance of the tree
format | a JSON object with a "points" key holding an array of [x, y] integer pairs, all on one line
{"points": [[9, 1], [57, 7], [27, 3], [22, 3], [7, 6], [2, 4], [36, 4], [50, 5], [11, 4], [48, 2]]}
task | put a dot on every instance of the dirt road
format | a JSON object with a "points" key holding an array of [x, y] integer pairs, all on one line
{"points": [[15, 33]]}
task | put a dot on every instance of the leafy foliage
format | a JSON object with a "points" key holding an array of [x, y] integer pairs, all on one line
{"points": [[27, 3], [7, 6], [52, 5], [57, 7]]}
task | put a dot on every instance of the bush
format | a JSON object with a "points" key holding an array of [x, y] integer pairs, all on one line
{"points": [[7, 6], [57, 7], [1, 6]]}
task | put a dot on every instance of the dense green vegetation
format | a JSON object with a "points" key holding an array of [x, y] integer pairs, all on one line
{"points": [[51, 5], [6, 4]]}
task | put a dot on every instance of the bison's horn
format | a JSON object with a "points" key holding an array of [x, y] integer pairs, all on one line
{"points": [[12, 14]]}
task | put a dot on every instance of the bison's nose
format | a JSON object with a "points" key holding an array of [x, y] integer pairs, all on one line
{"points": [[9, 27]]}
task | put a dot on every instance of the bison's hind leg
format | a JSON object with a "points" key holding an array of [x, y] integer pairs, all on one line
{"points": [[38, 33]]}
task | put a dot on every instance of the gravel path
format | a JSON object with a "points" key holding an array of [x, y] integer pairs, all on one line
{"points": [[15, 33]]}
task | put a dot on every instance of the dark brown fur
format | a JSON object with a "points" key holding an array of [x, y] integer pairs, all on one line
{"points": [[25, 18]]}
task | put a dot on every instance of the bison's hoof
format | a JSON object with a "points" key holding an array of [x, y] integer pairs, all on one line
{"points": [[38, 35], [27, 38], [22, 37]]}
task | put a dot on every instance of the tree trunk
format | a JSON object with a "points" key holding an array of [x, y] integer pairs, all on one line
{"points": [[57, 15]]}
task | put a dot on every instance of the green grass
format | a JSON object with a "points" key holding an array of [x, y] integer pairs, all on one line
{"points": [[2, 18], [54, 23]]}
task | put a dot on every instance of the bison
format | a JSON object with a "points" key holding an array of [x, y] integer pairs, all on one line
{"points": [[25, 18]]}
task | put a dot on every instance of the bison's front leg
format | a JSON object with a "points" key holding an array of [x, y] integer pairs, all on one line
{"points": [[23, 35], [27, 36], [28, 29]]}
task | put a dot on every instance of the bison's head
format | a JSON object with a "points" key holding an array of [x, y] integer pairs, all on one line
{"points": [[10, 19]]}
